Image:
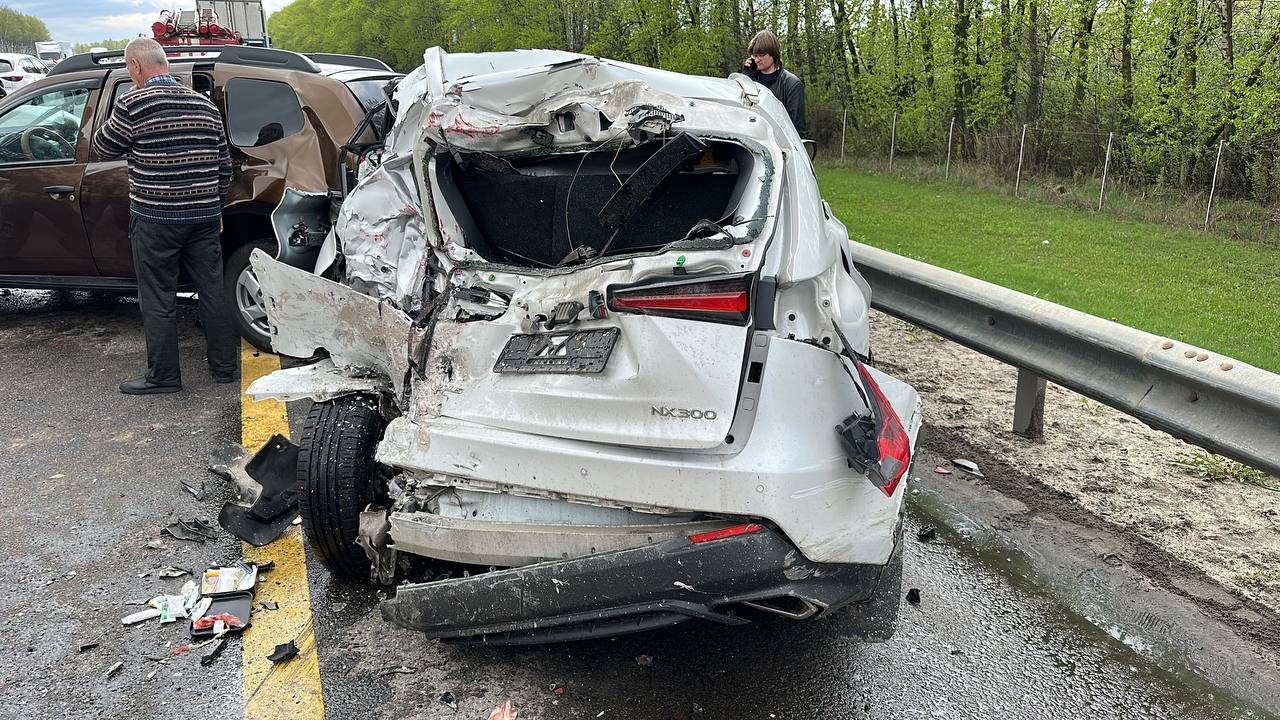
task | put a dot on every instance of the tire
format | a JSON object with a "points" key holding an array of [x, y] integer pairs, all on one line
{"points": [[244, 299], [338, 478]]}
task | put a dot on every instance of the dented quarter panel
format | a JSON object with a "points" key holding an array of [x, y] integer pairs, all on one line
{"points": [[307, 312]]}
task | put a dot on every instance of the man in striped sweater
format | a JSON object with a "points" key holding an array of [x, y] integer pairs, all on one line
{"points": [[179, 173]]}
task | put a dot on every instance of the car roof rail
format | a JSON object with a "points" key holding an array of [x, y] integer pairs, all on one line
{"points": [[231, 54], [355, 61]]}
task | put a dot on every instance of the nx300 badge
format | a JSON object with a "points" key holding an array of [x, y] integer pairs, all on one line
{"points": [[683, 413]]}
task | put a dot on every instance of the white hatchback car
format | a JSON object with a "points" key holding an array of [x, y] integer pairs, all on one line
{"points": [[597, 349], [18, 71]]}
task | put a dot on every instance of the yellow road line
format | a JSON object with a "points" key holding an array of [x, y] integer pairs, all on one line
{"points": [[290, 689]]}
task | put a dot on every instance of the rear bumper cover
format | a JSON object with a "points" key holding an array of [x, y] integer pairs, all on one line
{"points": [[632, 590]]}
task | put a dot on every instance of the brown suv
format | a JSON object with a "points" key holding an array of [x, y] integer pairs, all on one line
{"points": [[64, 212]]}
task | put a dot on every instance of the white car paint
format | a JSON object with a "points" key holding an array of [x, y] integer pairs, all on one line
{"points": [[18, 71], [598, 439]]}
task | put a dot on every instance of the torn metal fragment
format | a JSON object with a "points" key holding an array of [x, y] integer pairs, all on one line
{"points": [[968, 466]]}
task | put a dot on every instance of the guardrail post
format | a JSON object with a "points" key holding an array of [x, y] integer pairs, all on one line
{"points": [[1028, 405]]}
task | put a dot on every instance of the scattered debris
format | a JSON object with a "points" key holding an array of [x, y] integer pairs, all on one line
{"points": [[913, 596], [287, 651], [111, 671], [400, 670], [88, 645], [505, 711], [448, 699], [927, 533], [59, 476], [216, 580], [644, 660], [194, 530], [69, 576], [196, 492], [211, 621], [968, 466], [941, 470], [264, 517], [269, 605], [172, 571], [156, 544], [213, 654], [557, 689]]}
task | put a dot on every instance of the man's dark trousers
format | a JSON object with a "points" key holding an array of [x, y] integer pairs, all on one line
{"points": [[158, 253]]}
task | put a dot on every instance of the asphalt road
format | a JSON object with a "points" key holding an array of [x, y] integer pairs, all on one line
{"points": [[90, 476]]}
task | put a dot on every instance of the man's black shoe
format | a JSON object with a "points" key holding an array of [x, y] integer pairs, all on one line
{"points": [[224, 379], [143, 386]]}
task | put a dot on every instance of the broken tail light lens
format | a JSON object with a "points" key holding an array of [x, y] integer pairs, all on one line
{"points": [[721, 299], [876, 443], [736, 530]]}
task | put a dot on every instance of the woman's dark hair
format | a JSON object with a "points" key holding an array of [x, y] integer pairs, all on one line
{"points": [[767, 43]]}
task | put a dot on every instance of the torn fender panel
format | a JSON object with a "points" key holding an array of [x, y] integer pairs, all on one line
{"points": [[383, 237], [307, 312], [321, 381]]}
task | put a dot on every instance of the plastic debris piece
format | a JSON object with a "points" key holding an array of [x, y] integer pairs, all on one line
{"points": [[941, 470], [558, 689], [968, 466], [448, 699], [196, 492], [269, 605], [155, 544], [505, 711], [140, 616], [213, 654], [400, 670], [266, 566], [201, 607], [644, 660], [209, 621], [297, 521], [172, 571], [286, 651], [913, 596], [111, 671], [927, 533], [88, 645]]}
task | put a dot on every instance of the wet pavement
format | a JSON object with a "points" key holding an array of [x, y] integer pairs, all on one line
{"points": [[90, 476]]}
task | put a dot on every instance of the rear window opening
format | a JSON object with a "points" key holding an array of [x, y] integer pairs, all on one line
{"points": [[546, 211]]}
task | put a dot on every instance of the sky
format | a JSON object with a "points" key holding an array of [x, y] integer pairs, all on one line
{"points": [[89, 20]]}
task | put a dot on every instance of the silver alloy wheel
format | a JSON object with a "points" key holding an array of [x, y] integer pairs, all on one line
{"points": [[249, 304]]}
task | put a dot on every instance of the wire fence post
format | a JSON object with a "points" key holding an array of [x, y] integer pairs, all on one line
{"points": [[844, 121], [1021, 146], [950, 133], [1106, 165], [893, 140], [1213, 185]]}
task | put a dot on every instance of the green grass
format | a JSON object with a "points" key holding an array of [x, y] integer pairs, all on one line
{"points": [[1218, 293]]}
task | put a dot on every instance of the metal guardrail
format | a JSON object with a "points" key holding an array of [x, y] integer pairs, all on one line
{"points": [[1215, 402]]}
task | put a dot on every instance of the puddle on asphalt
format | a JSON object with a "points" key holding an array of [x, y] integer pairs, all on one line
{"points": [[1085, 611]]}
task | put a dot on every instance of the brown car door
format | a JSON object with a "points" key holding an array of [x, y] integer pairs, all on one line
{"points": [[43, 148], [104, 200]]}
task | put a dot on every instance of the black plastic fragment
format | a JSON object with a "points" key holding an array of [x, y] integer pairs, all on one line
{"points": [[211, 656], [283, 652], [927, 533], [913, 596], [274, 467]]}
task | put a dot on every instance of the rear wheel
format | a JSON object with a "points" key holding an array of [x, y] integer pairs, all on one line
{"points": [[338, 478], [244, 296]]}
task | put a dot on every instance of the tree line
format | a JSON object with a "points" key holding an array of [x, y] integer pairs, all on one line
{"points": [[19, 32], [1171, 78]]}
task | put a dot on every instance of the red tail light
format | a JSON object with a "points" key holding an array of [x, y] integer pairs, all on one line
{"points": [[11, 78], [877, 444], [710, 535], [721, 299]]}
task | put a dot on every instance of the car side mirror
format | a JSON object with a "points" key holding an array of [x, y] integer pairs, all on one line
{"points": [[810, 148]]}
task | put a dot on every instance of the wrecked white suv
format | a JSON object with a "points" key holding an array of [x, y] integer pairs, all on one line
{"points": [[595, 343]]}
